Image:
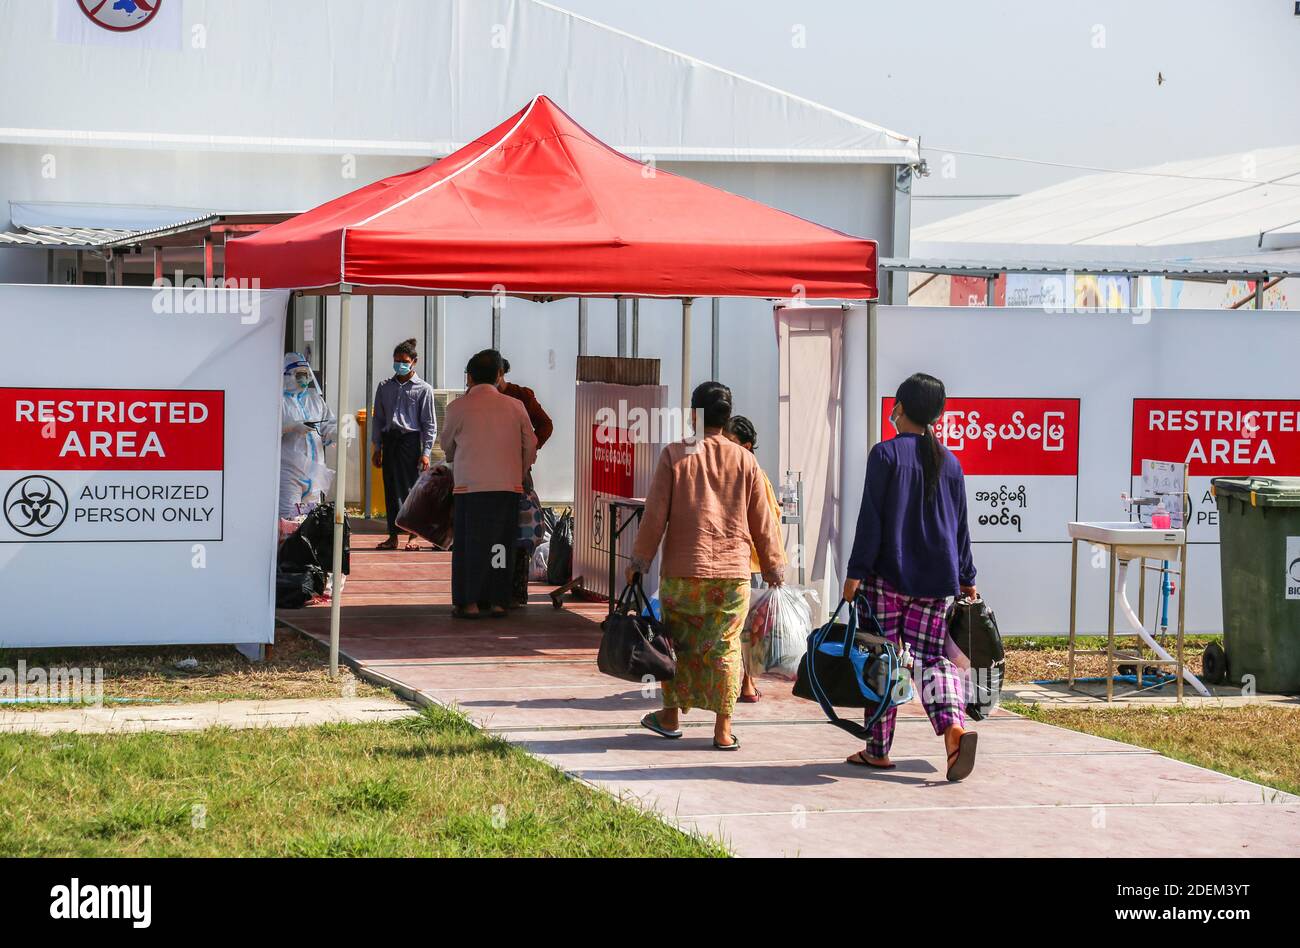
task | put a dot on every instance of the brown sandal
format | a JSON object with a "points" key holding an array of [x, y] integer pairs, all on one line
{"points": [[962, 761], [389, 544], [860, 760]]}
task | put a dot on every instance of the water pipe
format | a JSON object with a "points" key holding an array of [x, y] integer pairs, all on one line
{"points": [[1146, 637]]}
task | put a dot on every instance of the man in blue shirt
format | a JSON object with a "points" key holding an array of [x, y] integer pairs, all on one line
{"points": [[402, 431]]}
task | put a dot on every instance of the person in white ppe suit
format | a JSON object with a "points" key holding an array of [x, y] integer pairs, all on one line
{"points": [[307, 427]]}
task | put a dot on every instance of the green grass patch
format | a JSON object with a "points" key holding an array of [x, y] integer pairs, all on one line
{"points": [[1257, 742], [431, 785]]}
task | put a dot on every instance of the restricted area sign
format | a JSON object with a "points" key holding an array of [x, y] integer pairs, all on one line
{"points": [[1021, 460], [111, 465], [1217, 437]]}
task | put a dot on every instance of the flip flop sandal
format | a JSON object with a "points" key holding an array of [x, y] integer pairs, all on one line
{"points": [[733, 746], [962, 761], [498, 613], [386, 545], [755, 698], [860, 760], [459, 613], [651, 723], [411, 547]]}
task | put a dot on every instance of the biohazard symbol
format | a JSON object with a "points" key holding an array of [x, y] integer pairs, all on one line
{"points": [[35, 506]]}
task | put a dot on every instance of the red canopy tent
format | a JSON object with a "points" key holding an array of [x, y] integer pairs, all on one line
{"points": [[539, 208]]}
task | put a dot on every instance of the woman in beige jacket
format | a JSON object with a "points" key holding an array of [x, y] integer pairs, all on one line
{"points": [[707, 505]]}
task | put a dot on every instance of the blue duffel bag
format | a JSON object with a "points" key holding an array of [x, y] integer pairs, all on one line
{"points": [[848, 668]]}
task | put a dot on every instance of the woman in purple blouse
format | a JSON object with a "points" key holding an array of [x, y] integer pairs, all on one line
{"points": [[911, 553]]}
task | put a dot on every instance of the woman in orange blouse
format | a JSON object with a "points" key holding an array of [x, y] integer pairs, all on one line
{"points": [[707, 506]]}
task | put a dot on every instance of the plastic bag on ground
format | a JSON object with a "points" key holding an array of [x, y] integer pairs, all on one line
{"points": [[777, 629], [537, 568], [427, 510]]}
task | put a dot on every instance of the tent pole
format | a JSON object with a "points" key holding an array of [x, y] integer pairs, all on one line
{"points": [[686, 359], [438, 348], [582, 325], [873, 396], [370, 406], [497, 303], [431, 368], [622, 327], [713, 349], [636, 328], [341, 476]]}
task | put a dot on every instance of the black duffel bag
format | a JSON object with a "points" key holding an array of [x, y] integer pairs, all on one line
{"points": [[312, 544], [846, 667], [973, 628], [633, 644], [295, 589]]}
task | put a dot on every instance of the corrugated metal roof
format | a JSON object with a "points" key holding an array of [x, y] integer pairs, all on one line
{"points": [[1247, 199], [1259, 266], [76, 238], [105, 238]]}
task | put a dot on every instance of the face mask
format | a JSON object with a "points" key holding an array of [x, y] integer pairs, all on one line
{"points": [[402, 368], [303, 381]]}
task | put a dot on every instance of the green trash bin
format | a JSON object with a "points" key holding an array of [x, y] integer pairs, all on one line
{"points": [[1259, 558]]}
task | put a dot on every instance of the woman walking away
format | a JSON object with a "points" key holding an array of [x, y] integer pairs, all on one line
{"points": [[742, 431], [911, 552], [402, 432], [707, 504]]}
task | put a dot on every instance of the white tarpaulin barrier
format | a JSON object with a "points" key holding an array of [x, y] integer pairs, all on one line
{"points": [[139, 462], [1052, 415]]}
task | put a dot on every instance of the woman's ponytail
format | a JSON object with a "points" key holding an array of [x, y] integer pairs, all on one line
{"points": [[923, 398]]}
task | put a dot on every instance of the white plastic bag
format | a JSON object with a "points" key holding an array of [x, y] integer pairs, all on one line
{"points": [[777, 629], [537, 567]]}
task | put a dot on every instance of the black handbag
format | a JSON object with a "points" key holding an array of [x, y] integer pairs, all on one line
{"points": [[847, 668], [974, 629], [633, 644]]}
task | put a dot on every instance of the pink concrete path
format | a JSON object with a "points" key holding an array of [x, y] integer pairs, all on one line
{"points": [[1037, 790]]}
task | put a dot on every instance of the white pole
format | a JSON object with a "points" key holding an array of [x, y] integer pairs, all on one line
{"points": [[686, 360], [873, 391], [341, 476]]}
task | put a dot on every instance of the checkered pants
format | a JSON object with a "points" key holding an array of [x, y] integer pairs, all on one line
{"points": [[922, 624]]}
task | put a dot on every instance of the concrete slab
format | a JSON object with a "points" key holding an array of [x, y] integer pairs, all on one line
{"points": [[1083, 831], [1093, 695]]}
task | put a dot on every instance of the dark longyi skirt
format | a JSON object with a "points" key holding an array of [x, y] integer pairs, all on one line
{"points": [[483, 555]]}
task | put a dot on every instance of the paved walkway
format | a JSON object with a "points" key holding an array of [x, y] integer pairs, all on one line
{"points": [[1037, 790], [121, 718]]}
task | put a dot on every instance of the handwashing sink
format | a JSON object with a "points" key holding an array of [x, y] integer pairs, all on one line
{"points": [[1126, 533]]}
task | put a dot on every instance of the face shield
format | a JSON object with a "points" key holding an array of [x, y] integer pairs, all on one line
{"points": [[298, 375]]}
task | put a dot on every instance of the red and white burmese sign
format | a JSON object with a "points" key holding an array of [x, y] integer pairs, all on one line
{"points": [[1217, 437], [1021, 460], [612, 458], [111, 465]]}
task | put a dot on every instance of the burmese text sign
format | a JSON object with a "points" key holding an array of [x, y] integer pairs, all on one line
{"points": [[1021, 461]]}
